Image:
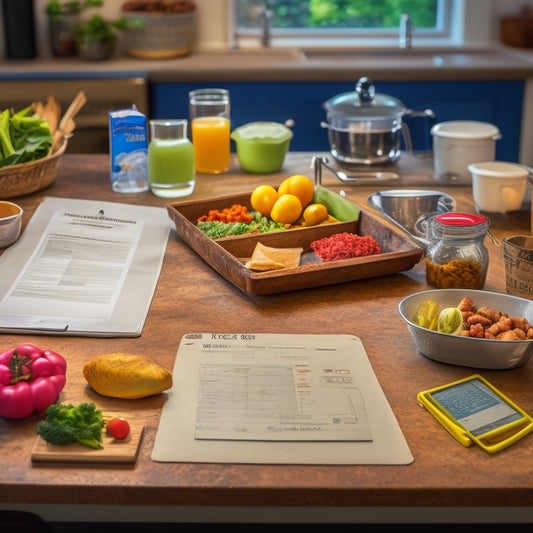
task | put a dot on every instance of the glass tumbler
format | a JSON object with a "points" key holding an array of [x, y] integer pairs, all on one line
{"points": [[170, 159], [209, 112]]}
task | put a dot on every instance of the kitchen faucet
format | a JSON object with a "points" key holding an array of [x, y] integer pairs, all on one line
{"points": [[265, 16], [406, 31]]}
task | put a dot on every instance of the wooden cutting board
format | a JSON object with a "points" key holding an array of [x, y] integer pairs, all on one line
{"points": [[113, 451]]}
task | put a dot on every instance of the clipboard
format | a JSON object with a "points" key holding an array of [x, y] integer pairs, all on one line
{"points": [[132, 297], [176, 440], [474, 412]]}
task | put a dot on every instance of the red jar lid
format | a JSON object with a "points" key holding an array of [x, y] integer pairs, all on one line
{"points": [[460, 219]]}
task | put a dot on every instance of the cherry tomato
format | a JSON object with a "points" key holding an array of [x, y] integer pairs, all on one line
{"points": [[118, 428]]}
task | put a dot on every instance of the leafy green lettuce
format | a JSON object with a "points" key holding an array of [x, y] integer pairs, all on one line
{"points": [[23, 137]]}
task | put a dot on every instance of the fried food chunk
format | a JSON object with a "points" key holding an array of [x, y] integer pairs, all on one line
{"points": [[493, 316], [510, 335], [474, 330], [479, 319], [466, 306], [485, 323], [501, 326]]}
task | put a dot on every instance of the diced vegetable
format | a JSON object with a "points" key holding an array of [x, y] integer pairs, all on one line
{"points": [[260, 224]]}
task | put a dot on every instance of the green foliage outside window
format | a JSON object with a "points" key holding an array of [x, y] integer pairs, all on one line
{"points": [[302, 14]]}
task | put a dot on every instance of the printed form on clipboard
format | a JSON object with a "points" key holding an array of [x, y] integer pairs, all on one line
{"points": [[280, 392], [269, 398], [84, 268]]}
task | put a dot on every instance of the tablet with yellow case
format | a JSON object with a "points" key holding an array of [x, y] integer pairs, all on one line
{"points": [[474, 411]]}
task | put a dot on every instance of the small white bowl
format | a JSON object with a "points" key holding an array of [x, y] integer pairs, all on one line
{"points": [[10, 223], [498, 186], [469, 351]]}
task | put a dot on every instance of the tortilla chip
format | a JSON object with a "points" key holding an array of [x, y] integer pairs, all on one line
{"points": [[263, 265], [268, 258]]}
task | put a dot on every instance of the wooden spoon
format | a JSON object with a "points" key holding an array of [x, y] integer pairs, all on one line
{"points": [[51, 112], [67, 124]]}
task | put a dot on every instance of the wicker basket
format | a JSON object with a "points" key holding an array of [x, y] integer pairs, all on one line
{"points": [[25, 178], [160, 36]]}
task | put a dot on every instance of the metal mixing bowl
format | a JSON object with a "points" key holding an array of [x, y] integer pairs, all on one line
{"points": [[468, 351], [406, 206]]}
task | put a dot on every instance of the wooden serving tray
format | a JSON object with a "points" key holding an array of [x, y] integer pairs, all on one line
{"points": [[228, 255], [113, 451]]}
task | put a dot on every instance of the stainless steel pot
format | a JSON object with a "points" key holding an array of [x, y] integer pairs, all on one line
{"points": [[365, 128]]}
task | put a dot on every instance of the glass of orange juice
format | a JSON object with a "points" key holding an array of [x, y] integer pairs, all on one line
{"points": [[209, 111]]}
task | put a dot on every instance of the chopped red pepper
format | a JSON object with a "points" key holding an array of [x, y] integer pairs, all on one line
{"points": [[235, 213]]}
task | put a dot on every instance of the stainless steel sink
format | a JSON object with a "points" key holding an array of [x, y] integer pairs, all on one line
{"points": [[264, 55], [395, 58], [413, 56]]}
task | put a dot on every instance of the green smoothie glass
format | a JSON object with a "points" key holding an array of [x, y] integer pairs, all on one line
{"points": [[171, 172]]}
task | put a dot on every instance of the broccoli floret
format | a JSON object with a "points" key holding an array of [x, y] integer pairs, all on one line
{"points": [[66, 424]]}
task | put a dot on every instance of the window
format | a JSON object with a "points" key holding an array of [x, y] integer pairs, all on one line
{"points": [[340, 22]]}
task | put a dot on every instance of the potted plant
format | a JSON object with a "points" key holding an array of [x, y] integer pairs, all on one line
{"points": [[63, 18], [96, 37], [159, 29]]}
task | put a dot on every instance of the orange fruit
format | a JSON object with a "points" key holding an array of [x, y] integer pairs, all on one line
{"points": [[315, 214], [300, 186], [263, 199], [287, 209]]}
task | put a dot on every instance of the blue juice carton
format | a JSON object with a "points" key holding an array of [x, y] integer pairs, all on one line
{"points": [[128, 145]]}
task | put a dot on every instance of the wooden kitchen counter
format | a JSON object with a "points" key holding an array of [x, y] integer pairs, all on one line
{"points": [[290, 64], [190, 297]]}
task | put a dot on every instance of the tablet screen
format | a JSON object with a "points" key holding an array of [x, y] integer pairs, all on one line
{"points": [[476, 407]]}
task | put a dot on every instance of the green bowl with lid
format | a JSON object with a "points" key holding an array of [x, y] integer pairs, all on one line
{"points": [[262, 146]]}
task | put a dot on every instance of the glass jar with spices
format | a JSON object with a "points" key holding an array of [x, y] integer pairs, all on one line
{"points": [[456, 257]]}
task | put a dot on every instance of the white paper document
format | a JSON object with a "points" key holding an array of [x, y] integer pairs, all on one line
{"points": [[278, 399], [83, 268], [278, 391]]}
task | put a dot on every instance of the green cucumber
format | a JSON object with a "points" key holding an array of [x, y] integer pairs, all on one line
{"points": [[337, 206]]}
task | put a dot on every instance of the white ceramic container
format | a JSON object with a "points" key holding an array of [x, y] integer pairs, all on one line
{"points": [[456, 144], [498, 186]]}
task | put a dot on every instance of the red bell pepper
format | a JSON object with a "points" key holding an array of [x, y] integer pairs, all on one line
{"points": [[30, 380]]}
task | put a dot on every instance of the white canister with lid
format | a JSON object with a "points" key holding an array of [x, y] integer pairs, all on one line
{"points": [[457, 144]]}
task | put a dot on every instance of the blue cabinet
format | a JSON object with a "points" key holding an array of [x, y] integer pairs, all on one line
{"points": [[497, 102]]}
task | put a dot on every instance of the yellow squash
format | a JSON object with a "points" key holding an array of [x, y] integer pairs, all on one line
{"points": [[129, 376]]}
